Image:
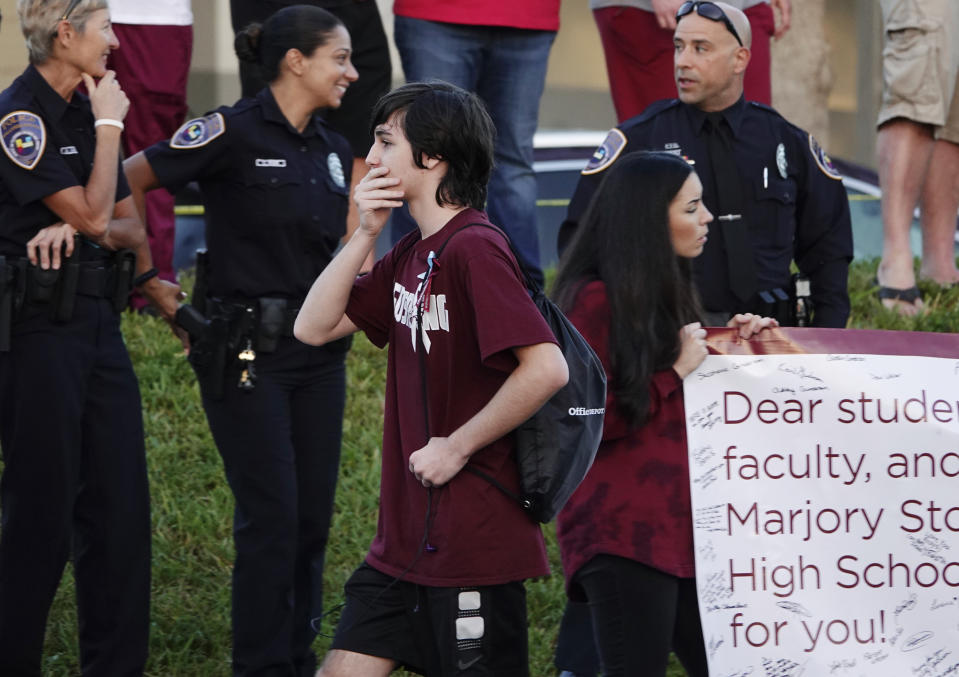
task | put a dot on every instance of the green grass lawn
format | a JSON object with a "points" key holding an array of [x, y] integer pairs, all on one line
{"points": [[192, 506]]}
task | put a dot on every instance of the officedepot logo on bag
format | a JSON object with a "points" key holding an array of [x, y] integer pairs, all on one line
{"points": [[583, 411]]}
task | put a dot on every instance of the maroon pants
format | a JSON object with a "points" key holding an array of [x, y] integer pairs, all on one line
{"points": [[639, 57], [152, 65]]}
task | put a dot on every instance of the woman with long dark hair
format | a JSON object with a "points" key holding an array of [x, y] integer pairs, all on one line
{"points": [[274, 178], [626, 535]]}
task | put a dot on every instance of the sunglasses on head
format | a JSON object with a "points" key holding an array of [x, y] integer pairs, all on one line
{"points": [[708, 10], [66, 14], [72, 6]]}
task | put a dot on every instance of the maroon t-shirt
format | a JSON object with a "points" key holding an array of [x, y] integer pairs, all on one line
{"points": [[478, 310], [634, 502]]}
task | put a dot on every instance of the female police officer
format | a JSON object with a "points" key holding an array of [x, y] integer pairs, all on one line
{"points": [[274, 183], [70, 422]]}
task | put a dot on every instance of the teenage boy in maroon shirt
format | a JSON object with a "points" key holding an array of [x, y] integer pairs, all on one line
{"points": [[441, 590]]}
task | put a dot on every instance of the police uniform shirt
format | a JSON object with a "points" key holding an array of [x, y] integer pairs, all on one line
{"points": [[275, 199], [795, 206], [48, 146]]}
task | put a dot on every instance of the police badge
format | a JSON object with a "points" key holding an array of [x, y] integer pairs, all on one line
{"points": [[335, 167], [24, 138], [781, 160]]}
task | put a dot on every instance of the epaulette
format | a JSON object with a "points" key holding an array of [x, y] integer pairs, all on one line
{"points": [[614, 143], [768, 109], [651, 111], [775, 113]]}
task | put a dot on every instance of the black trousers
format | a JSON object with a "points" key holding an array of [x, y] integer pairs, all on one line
{"points": [[280, 446], [74, 476], [639, 614]]}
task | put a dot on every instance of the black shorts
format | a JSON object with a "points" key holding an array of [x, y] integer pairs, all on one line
{"points": [[436, 631]]}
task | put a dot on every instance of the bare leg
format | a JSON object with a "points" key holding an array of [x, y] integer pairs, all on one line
{"points": [[939, 202], [904, 149], [339, 663]]}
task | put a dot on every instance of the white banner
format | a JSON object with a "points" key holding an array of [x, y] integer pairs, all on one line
{"points": [[825, 496]]}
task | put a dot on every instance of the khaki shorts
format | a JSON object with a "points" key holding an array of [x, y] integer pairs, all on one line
{"points": [[920, 64]]}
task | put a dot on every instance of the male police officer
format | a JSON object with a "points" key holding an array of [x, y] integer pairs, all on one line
{"points": [[775, 194]]}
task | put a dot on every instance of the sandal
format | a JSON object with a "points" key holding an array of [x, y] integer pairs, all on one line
{"points": [[911, 297]]}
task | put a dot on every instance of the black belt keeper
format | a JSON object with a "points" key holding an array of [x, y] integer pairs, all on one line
{"points": [[96, 282], [274, 319], [775, 303], [768, 303]]}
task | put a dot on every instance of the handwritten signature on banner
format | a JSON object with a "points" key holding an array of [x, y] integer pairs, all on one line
{"points": [[822, 470]]}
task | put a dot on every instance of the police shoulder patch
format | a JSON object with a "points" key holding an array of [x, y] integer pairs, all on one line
{"points": [[825, 164], [607, 152], [24, 138], [198, 131]]}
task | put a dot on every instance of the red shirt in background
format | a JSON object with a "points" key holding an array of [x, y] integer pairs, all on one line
{"points": [[542, 15]]}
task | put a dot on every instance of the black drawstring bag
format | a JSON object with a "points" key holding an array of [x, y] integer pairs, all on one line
{"points": [[556, 446]]}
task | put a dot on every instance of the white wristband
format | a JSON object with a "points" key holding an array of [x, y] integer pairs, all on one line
{"points": [[109, 122]]}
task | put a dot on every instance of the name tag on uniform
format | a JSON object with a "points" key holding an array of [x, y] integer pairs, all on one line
{"points": [[263, 162], [68, 150]]}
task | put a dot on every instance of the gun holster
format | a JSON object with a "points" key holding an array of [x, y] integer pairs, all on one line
{"points": [[124, 262], [58, 288], [208, 348], [215, 341]]}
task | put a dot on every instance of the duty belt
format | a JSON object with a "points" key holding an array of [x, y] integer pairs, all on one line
{"points": [[93, 281], [279, 313]]}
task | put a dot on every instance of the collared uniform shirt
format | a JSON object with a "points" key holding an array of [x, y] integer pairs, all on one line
{"points": [[40, 160], [795, 205], [275, 199]]}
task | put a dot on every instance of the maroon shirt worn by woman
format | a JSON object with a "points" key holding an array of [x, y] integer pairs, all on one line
{"points": [[634, 503]]}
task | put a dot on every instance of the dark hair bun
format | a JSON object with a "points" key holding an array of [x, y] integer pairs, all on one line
{"points": [[247, 43]]}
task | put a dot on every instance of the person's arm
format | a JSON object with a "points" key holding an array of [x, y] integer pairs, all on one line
{"points": [[353, 215], [823, 238], [665, 11], [142, 179], [540, 373], [692, 349], [785, 16], [322, 318], [90, 208], [164, 295]]}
